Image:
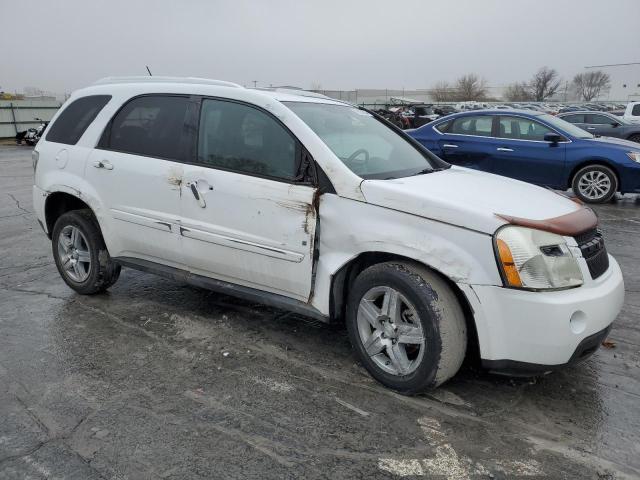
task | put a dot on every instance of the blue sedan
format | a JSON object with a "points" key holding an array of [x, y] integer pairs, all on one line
{"points": [[538, 148]]}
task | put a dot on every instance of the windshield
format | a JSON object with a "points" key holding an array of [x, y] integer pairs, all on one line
{"points": [[565, 127], [368, 146]]}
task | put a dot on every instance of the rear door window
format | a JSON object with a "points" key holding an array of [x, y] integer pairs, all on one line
{"points": [[520, 128], [579, 118], [76, 118], [152, 125], [635, 111], [479, 125], [244, 139]]}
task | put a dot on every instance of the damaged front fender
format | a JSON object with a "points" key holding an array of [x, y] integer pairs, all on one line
{"points": [[351, 228]]}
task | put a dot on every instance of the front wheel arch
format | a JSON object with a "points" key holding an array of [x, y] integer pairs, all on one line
{"points": [[343, 279], [434, 313], [588, 163]]}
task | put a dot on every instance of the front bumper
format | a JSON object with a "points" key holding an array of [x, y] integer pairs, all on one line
{"points": [[629, 174], [584, 350], [526, 332]]}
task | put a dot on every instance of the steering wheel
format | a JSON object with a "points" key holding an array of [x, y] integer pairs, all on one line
{"points": [[354, 155]]}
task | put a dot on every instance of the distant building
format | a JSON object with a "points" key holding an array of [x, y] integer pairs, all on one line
{"points": [[625, 82]]}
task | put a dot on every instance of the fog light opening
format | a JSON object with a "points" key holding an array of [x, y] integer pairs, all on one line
{"points": [[578, 322]]}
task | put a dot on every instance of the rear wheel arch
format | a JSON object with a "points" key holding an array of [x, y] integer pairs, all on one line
{"points": [[80, 254], [343, 279], [58, 203]]}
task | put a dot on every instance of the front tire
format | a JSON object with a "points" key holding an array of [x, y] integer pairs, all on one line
{"points": [[595, 184], [406, 326], [81, 255]]}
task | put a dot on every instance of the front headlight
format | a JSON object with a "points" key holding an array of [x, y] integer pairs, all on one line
{"points": [[536, 260], [635, 156]]}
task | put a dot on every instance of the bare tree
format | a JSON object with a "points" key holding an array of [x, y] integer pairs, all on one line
{"points": [[442, 92], [589, 85], [544, 83], [518, 92], [316, 86], [471, 87]]}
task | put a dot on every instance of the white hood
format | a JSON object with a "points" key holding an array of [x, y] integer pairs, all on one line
{"points": [[467, 198]]}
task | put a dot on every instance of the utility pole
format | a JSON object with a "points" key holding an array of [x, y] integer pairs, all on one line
{"points": [[255, 83]]}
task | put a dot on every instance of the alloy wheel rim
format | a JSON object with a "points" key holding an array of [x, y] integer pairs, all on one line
{"points": [[73, 250], [390, 331], [594, 184]]}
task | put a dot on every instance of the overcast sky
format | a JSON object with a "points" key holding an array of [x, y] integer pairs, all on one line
{"points": [[341, 44]]}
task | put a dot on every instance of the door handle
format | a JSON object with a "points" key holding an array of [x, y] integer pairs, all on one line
{"points": [[194, 189], [502, 149], [591, 128], [448, 145], [106, 164]]}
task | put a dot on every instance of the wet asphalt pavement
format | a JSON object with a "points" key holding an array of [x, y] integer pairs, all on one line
{"points": [[156, 379]]}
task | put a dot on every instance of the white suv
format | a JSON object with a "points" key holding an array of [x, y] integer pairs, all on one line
{"points": [[316, 206]]}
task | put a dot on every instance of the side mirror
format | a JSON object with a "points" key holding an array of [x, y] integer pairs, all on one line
{"points": [[615, 124], [552, 137]]}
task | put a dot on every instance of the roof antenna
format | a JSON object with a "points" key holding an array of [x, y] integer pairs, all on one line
{"points": [[149, 70]]}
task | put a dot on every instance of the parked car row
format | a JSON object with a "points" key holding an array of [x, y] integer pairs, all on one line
{"points": [[417, 114], [325, 209]]}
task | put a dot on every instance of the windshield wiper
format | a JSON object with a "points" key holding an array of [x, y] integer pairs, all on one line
{"points": [[428, 170]]}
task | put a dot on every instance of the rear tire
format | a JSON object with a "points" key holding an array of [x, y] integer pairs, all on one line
{"points": [[416, 346], [595, 184], [81, 254]]}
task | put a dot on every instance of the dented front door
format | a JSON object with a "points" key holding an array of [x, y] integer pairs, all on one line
{"points": [[248, 230]]}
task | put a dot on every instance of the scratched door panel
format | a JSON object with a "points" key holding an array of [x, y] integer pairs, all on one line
{"points": [[249, 230]]}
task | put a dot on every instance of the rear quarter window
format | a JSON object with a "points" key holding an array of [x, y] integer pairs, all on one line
{"points": [[443, 127], [76, 118]]}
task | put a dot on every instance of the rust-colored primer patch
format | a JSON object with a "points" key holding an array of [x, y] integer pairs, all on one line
{"points": [[570, 224]]}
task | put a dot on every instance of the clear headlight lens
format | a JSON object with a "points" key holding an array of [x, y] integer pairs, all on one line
{"points": [[635, 156], [535, 259]]}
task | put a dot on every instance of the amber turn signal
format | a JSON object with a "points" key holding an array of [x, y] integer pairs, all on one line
{"points": [[508, 265]]}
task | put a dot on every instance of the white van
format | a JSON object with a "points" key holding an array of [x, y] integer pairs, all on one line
{"points": [[325, 209]]}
